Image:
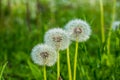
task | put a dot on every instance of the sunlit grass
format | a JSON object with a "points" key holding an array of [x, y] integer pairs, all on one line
{"points": [[110, 29], [102, 21]]}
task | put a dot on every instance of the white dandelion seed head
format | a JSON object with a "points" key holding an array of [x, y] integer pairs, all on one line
{"points": [[57, 38], [116, 25], [43, 54], [78, 29]]}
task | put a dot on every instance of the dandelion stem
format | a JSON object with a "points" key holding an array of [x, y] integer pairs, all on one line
{"points": [[68, 62], [109, 33], [58, 66], [75, 60], [102, 21], [45, 72]]}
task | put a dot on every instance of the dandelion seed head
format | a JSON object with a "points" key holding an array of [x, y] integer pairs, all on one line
{"points": [[78, 29], [57, 38], [43, 54], [116, 25]]}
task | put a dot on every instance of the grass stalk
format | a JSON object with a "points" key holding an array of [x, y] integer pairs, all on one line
{"points": [[2, 70], [68, 62], [58, 66], [102, 20], [75, 60], [45, 78], [109, 33]]}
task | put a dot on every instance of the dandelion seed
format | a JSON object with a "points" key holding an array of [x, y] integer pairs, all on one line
{"points": [[78, 29], [57, 38], [43, 54], [116, 25]]}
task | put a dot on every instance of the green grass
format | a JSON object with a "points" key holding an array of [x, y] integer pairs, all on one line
{"points": [[93, 63], [2, 70]]}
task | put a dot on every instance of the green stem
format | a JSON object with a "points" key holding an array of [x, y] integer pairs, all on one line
{"points": [[45, 72], [58, 66], [75, 60], [102, 21], [109, 33], [68, 62]]}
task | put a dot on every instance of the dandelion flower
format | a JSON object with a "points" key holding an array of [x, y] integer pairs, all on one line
{"points": [[57, 38], [78, 29], [116, 25], [43, 54]]}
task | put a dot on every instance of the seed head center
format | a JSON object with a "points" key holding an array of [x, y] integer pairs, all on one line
{"points": [[77, 30], [44, 55], [57, 39]]}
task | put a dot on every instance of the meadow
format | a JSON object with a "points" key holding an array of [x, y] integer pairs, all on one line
{"points": [[23, 25]]}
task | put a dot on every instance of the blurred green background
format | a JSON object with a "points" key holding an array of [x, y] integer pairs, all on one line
{"points": [[23, 24]]}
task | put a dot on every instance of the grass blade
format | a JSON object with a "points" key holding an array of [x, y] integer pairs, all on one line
{"points": [[2, 70]]}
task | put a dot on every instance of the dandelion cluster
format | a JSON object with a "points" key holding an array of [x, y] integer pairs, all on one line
{"points": [[57, 39]]}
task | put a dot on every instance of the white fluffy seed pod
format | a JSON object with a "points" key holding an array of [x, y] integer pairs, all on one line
{"points": [[78, 29], [57, 38], [43, 54], [116, 25]]}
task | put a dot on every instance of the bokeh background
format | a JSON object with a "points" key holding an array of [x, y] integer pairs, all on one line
{"points": [[23, 24]]}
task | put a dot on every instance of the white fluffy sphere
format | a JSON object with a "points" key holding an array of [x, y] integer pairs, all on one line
{"points": [[57, 38], [43, 54], [78, 29]]}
